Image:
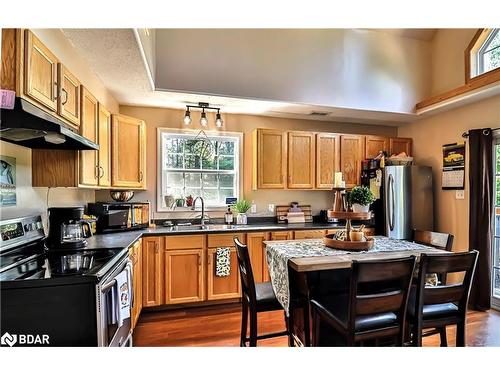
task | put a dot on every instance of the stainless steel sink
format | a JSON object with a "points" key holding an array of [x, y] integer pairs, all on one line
{"points": [[188, 228]]}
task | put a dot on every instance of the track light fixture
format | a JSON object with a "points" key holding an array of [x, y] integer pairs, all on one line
{"points": [[203, 118]]}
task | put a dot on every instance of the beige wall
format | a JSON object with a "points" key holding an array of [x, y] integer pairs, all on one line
{"points": [[169, 118], [429, 135]]}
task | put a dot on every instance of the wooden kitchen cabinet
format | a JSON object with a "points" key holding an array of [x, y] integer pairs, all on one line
{"points": [[69, 96], [184, 276], [352, 155], [327, 159], [301, 160], [374, 144], [135, 254], [222, 287], [305, 234], [152, 271], [255, 244], [128, 152], [40, 72], [273, 236], [89, 128], [104, 170], [269, 159], [398, 145], [281, 236]]}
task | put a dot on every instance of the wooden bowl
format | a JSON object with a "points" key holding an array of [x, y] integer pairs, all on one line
{"points": [[329, 241]]}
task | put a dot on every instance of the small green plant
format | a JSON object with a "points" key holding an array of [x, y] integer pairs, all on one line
{"points": [[360, 195], [242, 206]]}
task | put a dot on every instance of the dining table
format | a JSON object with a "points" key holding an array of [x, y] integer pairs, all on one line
{"points": [[303, 269]]}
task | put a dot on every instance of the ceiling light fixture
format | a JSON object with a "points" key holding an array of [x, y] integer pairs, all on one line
{"points": [[203, 118]]}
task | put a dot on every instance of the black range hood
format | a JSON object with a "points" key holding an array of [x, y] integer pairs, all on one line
{"points": [[29, 126]]}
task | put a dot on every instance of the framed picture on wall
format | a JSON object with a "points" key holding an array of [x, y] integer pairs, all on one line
{"points": [[7, 181]]}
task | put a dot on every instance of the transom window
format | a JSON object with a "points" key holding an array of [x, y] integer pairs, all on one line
{"points": [[485, 52], [198, 164]]}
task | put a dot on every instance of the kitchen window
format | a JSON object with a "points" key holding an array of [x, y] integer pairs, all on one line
{"points": [[496, 232], [197, 163]]}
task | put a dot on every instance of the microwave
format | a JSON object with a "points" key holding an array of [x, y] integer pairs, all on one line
{"points": [[120, 216]]}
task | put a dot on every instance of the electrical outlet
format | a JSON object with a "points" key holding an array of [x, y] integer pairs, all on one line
{"points": [[253, 208], [271, 207], [459, 194]]}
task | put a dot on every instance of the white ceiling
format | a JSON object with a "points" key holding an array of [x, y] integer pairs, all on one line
{"points": [[117, 59]]}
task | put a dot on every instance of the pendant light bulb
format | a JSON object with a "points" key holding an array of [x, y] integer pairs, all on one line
{"points": [[218, 120], [187, 118], [203, 119]]}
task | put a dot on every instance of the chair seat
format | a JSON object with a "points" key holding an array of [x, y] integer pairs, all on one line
{"points": [[438, 310], [265, 297], [337, 308]]}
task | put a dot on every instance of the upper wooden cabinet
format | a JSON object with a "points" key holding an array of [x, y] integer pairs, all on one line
{"points": [[89, 128], [327, 159], [40, 72], [398, 145], [128, 144], [374, 144], [69, 93], [301, 160], [269, 159], [352, 154], [104, 120]]}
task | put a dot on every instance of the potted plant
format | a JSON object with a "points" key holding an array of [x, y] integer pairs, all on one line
{"points": [[241, 207], [189, 200], [360, 198]]}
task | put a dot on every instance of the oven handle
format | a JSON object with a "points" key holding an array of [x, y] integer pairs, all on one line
{"points": [[108, 286]]}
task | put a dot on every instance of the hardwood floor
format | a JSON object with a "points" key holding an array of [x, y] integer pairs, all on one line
{"points": [[220, 326]]}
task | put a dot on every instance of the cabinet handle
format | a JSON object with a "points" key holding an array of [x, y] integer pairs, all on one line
{"points": [[157, 247], [96, 171], [101, 174], [65, 96], [141, 176], [56, 91]]}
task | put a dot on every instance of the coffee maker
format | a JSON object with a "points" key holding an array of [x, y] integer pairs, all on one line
{"points": [[67, 229]]}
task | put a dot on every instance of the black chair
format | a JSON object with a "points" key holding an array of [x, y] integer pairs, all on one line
{"points": [[443, 241], [375, 307], [439, 306], [255, 298]]}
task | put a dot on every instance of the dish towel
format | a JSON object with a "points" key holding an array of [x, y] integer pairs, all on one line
{"points": [[122, 290], [223, 261]]}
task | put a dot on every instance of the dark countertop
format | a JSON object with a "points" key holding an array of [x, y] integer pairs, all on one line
{"points": [[120, 240]]}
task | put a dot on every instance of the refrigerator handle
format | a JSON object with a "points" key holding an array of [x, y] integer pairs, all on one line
{"points": [[391, 203]]}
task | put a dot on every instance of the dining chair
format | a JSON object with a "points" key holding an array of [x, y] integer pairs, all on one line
{"points": [[442, 305], [256, 297], [373, 309], [442, 241]]}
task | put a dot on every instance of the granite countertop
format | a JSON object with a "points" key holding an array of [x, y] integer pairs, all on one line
{"points": [[120, 240]]}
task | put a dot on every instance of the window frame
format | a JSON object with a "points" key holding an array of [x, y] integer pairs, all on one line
{"points": [[238, 155], [473, 58]]}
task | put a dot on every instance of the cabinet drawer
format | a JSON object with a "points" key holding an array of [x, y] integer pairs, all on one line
{"points": [[184, 242], [223, 240], [304, 234]]}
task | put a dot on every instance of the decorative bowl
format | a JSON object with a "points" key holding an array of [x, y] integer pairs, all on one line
{"points": [[121, 195]]}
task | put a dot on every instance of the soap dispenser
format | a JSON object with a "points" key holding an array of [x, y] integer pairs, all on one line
{"points": [[228, 217]]}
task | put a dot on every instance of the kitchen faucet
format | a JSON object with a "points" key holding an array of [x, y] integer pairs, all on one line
{"points": [[202, 209]]}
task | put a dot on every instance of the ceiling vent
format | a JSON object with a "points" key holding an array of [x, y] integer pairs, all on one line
{"points": [[314, 113]]}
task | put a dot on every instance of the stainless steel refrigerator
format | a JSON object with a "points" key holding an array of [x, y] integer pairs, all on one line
{"points": [[407, 200]]}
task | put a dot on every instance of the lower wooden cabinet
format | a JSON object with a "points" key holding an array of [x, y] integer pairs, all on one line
{"points": [[222, 287], [135, 254], [184, 276], [152, 271], [255, 243], [305, 234]]}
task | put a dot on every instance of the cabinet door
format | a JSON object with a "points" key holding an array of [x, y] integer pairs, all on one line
{"points": [[89, 162], [128, 148], [40, 72], [222, 287], [301, 160], [184, 276], [281, 236], [327, 159], [104, 146], [256, 251], [375, 144], [138, 274], [152, 275], [306, 234], [69, 96], [398, 145], [351, 156], [270, 150]]}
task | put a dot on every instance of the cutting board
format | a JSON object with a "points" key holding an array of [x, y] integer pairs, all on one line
{"points": [[282, 212]]}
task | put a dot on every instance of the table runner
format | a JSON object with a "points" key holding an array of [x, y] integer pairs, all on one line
{"points": [[279, 252]]}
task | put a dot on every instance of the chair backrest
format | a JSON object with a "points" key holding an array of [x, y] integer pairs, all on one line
{"points": [[443, 241], [246, 273], [380, 287], [444, 264]]}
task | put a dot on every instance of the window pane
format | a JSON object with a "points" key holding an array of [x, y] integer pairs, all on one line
{"points": [[226, 163], [496, 278], [174, 161], [226, 148], [226, 193], [209, 180], [176, 192], [495, 42], [175, 179], [492, 59], [209, 162], [192, 162], [226, 180], [174, 145], [496, 253], [211, 195], [193, 191], [497, 157], [497, 220], [193, 180], [498, 191], [189, 146]]}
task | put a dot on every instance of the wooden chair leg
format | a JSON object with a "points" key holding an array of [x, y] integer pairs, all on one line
{"points": [[442, 335], [417, 335], [461, 334], [289, 330], [244, 324], [316, 323], [253, 327]]}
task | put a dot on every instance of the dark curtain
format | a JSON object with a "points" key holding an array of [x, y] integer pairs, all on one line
{"points": [[480, 213]]}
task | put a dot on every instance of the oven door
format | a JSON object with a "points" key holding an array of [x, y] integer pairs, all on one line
{"points": [[109, 330]]}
